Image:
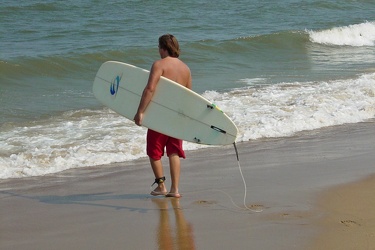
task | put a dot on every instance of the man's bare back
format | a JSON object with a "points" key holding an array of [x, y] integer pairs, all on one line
{"points": [[175, 70], [169, 67]]}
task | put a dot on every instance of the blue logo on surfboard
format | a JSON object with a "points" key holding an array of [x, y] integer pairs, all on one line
{"points": [[114, 85]]}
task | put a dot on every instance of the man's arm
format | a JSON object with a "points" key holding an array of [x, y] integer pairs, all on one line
{"points": [[154, 77]]}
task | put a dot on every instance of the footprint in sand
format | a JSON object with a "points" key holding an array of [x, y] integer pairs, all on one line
{"points": [[257, 207], [350, 223], [204, 202]]}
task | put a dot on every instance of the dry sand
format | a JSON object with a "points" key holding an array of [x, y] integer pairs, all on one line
{"points": [[302, 184]]}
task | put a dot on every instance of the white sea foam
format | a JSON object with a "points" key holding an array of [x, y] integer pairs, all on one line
{"points": [[284, 109], [353, 35], [87, 138], [74, 140]]}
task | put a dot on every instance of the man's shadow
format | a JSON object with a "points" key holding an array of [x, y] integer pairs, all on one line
{"points": [[85, 199], [182, 237]]}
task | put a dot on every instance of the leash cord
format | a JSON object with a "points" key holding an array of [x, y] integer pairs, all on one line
{"points": [[244, 182]]}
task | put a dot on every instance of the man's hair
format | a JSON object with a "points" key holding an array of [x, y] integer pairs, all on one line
{"points": [[169, 43]]}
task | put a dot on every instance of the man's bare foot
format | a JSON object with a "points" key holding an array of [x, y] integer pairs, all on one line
{"points": [[174, 195], [158, 191]]}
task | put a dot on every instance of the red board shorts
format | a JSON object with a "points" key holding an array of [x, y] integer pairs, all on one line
{"points": [[156, 142]]}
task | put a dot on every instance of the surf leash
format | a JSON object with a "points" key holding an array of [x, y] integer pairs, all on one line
{"points": [[244, 183]]}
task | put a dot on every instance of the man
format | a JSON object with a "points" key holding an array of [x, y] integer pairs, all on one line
{"points": [[171, 67]]}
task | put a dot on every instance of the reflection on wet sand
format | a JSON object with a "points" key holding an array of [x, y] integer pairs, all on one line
{"points": [[183, 237]]}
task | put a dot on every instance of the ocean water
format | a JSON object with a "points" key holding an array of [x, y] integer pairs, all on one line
{"points": [[275, 67]]}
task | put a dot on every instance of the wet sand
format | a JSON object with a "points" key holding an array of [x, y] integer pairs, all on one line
{"points": [[348, 216], [309, 191]]}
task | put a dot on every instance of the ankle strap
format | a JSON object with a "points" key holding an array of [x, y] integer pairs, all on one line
{"points": [[159, 180]]}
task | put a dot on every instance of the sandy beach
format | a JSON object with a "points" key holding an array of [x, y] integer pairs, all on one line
{"points": [[314, 190], [348, 216]]}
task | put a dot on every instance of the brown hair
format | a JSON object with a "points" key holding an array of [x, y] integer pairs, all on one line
{"points": [[169, 43]]}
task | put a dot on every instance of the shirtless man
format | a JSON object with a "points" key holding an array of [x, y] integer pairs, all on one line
{"points": [[174, 69]]}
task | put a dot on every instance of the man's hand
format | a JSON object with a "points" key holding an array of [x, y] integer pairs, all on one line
{"points": [[138, 118]]}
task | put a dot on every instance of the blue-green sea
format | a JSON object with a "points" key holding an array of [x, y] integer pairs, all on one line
{"points": [[275, 67]]}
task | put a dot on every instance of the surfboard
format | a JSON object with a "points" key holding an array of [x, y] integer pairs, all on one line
{"points": [[174, 110]]}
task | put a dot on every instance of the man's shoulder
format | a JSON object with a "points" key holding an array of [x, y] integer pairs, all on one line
{"points": [[158, 62], [168, 61]]}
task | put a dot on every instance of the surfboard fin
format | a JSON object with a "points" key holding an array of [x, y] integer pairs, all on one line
{"points": [[218, 129], [212, 106]]}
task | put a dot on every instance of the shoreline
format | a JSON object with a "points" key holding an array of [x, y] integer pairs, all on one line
{"points": [[110, 206]]}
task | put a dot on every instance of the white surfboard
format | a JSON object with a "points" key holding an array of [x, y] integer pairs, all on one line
{"points": [[174, 110]]}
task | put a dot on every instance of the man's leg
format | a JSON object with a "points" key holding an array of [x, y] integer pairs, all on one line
{"points": [[157, 168], [175, 166]]}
